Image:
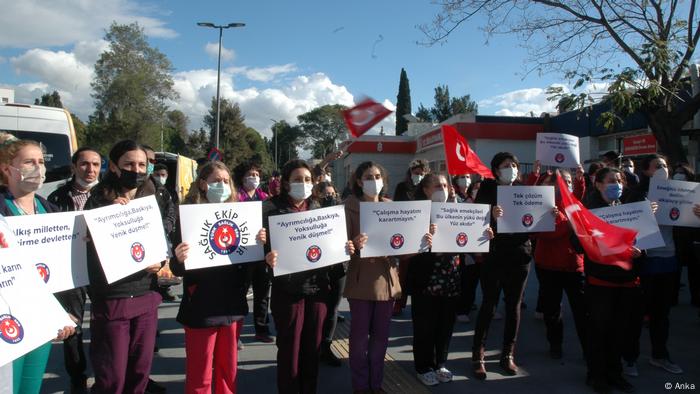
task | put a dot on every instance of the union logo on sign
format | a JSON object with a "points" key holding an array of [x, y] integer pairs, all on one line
{"points": [[461, 239], [11, 330], [396, 241], [528, 220], [674, 214], [44, 271], [224, 237], [138, 252], [313, 253], [559, 158]]}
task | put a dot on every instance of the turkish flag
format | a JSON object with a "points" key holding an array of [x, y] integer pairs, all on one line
{"points": [[461, 159], [604, 243], [363, 116]]}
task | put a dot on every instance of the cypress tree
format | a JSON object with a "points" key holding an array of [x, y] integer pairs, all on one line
{"points": [[403, 104]]}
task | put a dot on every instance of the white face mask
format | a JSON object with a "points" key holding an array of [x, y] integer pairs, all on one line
{"points": [[678, 177], [161, 180], [507, 175], [31, 179], [464, 182], [629, 169], [372, 187], [327, 178], [661, 173], [251, 182], [439, 196], [86, 185], [416, 179], [218, 192], [300, 191]]}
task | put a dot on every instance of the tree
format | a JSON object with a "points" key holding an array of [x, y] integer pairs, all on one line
{"points": [[403, 103], [323, 128], [287, 137], [198, 144], [52, 99], [446, 107], [424, 114], [649, 43], [132, 81]]}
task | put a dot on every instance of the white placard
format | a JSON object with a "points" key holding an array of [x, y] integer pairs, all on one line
{"points": [[636, 216], [128, 238], [221, 234], [53, 243], [394, 228], [526, 209], [6, 231], [30, 315], [676, 200], [309, 240], [460, 227], [559, 150]]}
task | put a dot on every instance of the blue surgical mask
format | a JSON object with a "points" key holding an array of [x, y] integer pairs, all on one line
{"points": [[218, 192], [613, 191], [149, 169]]}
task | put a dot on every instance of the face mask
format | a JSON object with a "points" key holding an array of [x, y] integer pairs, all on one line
{"points": [[300, 191], [86, 185], [613, 191], [327, 178], [372, 187], [571, 188], [508, 175], [628, 169], [162, 180], [678, 177], [218, 192], [131, 180], [439, 196], [661, 173], [416, 179], [328, 201], [251, 182], [31, 179], [149, 169], [464, 182]]}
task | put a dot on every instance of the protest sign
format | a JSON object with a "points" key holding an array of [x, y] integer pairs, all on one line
{"points": [[460, 227], [128, 238], [394, 228], [53, 243], [221, 234], [676, 200], [30, 315], [526, 209], [636, 216], [309, 240], [559, 150], [6, 231]]}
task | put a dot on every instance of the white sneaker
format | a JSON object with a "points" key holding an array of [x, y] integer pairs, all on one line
{"points": [[463, 318], [444, 375], [629, 368], [497, 316], [429, 378], [666, 364]]}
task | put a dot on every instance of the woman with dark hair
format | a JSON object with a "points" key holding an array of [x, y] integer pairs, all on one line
{"points": [[124, 313], [612, 296], [506, 267], [461, 184], [371, 287], [298, 301], [590, 176]]}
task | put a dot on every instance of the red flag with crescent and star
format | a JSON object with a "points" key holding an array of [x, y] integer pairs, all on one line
{"points": [[364, 116], [461, 159]]}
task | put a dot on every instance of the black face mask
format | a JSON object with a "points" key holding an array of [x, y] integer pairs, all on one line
{"points": [[328, 201], [130, 179]]}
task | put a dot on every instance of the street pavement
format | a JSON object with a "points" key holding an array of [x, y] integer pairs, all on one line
{"points": [[539, 373]]}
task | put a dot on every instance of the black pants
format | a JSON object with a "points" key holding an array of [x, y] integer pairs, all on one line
{"points": [[657, 295], [610, 311], [694, 275], [262, 281], [335, 295], [552, 286], [73, 301], [469, 280], [511, 276], [433, 322]]}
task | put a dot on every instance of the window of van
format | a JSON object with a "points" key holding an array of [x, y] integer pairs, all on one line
{"points": [[56, 156]]}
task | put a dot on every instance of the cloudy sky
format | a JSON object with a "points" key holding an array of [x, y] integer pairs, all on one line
{"points": [[290, 58]]}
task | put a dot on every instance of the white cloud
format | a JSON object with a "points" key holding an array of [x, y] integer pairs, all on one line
{"points": [[212, 49], [62, 22], [263, 74]]}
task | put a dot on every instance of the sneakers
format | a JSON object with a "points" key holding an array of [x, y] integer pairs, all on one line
{"points": [[154, 387], [666, 364], [444, 375], [630, 368], [463, 318], [429, 378], [328, 357], [621, 384]]}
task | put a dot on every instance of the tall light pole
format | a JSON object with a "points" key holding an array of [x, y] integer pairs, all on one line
{"points": [[218, 69], [275, 135]]}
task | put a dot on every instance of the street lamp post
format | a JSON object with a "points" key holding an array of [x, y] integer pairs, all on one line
{"points": [[218, 69], [275, 135]]}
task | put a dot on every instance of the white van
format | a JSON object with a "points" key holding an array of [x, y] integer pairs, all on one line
{"points": [[51, 127]]}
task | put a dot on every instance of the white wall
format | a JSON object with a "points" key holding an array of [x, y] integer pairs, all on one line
{"points": [[486, 149], [7, 96], [394, 163]]}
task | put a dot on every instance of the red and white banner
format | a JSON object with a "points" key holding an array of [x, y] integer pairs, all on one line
{"points": [[461, 159], [639, 145], [364, 116]]}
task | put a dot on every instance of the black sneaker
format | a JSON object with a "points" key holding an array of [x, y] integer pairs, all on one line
{"points": [[623, 385], [328, 357], [154, 387]]}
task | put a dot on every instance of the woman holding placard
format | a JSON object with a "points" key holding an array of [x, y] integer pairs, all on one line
{"points": [[124, 313], [687, 240], [22, 173], [214, 299], [298, 301], [506, 267], [371, 287]]}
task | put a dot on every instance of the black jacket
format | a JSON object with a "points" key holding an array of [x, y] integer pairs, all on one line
{"points": [[405, 191], [6, 195], [61, 197], [309, 282], [504, 246], [134, 285]]}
